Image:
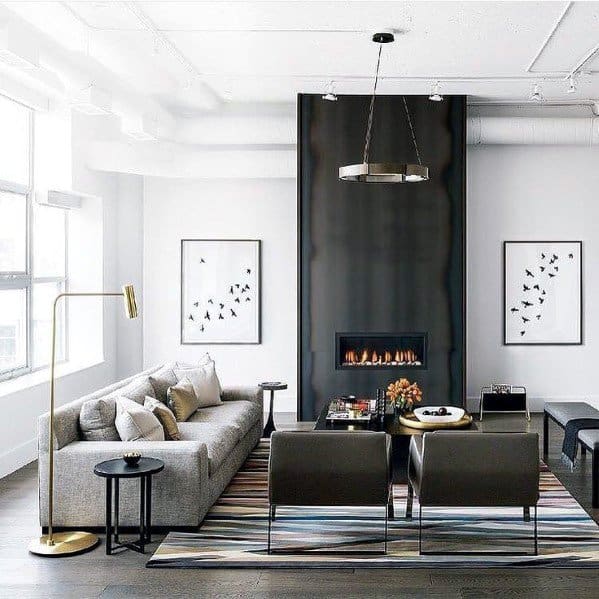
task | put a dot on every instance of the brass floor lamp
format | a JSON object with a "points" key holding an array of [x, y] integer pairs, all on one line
{"points": [[69, 543]]}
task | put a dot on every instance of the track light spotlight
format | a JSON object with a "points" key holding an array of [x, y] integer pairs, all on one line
{"points": [[436, 95], [330, 94], [537, 94]]}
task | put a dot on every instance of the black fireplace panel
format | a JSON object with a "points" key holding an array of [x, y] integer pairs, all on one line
{"points": [[381, 257], [380, 350]]}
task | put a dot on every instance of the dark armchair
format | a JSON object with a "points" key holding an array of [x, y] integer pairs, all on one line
{"points": [[451, 469], [329, 468]]}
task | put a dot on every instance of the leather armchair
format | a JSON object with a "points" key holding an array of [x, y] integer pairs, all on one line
{"points": [[329, 468], [452, 468]]}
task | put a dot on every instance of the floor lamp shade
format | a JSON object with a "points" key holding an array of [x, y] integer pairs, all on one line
{"points": [[63, 544]]}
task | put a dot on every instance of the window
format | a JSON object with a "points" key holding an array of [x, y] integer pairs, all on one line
{"points": [[33, 254]]}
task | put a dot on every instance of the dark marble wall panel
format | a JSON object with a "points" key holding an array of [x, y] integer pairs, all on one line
{"points": [[380, 257]]}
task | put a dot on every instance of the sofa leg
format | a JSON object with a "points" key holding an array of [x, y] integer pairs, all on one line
{"points": [[390, 507], [409, 501], [545, 435], [526, 514], [583, 449], [419, 530], [386, 527], [536, 534], [274, 512]]}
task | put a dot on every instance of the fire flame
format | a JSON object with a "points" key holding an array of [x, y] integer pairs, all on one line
{"points": [[369, 357]]}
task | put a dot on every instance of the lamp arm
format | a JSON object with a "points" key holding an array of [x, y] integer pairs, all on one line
{"points": [[51, 425]]}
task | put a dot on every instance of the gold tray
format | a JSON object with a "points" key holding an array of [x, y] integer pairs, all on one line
{"points": [[411, 421]]}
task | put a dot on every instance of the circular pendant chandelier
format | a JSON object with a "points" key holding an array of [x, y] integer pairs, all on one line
{"points": [[384, 172]]}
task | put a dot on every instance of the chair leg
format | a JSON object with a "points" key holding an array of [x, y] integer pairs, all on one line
{"points": [[526, 514], [390, 506], [269, 526], [409, 501], [274, 512], [545, 435], [386, 527], [419, 530], [583, 449], [536, 533], [595, 475]]}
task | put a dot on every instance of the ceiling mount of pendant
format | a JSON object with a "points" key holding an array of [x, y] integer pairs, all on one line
{"points": [[384, 172]]}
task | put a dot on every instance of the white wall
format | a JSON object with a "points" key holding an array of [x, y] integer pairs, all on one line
{"points": [[224, 209], [530, 193], [113, 222]]}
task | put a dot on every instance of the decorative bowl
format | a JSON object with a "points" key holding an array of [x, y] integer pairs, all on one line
{"points": [[132, 458], [453, 414]]}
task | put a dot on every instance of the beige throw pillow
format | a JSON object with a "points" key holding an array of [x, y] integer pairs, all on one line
{"points": [[135, 423], [162, 379], [205, 360], [166, 417], [96, 420], [182, 400], [205, 384]]}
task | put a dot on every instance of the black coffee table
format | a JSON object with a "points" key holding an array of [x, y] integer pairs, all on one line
{"points": [[115, 470], [400, 437]]}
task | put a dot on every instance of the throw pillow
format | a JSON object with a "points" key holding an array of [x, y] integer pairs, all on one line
{"points": [[137, 390], [135, 423], [161, 380], [182, 400], [96, 420], [166, 417], [205, 360], [205, 384]]}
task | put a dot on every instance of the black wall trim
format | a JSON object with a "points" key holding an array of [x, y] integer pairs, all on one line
{"points": [[380, 257]]}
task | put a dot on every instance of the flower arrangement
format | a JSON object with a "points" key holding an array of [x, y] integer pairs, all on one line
{"points": [[403, 394]]}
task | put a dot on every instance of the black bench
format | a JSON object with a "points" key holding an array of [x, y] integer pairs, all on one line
{"points": [[563, 411]]}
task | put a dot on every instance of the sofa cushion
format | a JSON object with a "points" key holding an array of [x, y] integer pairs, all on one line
{"points": [[135, 423], [205, 383], [96, 420], [242, 415], [182, 400], [137, 390], [220, 440], [161, 380], [166, 417]]}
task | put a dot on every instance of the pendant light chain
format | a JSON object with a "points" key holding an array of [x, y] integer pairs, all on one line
{"points": [[371, 113], [405, 104]]}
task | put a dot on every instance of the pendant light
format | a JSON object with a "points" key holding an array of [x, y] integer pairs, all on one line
{"points": [[384, 172]]}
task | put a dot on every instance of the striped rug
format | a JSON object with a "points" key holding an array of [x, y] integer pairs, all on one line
{"points": [[233, 535]]}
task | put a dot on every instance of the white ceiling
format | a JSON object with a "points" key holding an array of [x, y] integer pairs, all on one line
{"points": [[266, 51]]}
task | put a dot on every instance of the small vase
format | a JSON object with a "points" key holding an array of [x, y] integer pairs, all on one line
{"points": [[399, 410]]}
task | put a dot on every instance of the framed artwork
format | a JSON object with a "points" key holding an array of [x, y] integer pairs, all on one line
{"points": [[542, 283], [220, 291]]}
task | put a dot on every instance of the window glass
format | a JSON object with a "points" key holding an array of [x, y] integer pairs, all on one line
{"points": [[13, 329], [44, 295], [13, 232], [14, 142], [49, 241]]}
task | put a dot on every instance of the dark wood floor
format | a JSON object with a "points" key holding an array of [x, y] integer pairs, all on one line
{"points": [[96, 575]]}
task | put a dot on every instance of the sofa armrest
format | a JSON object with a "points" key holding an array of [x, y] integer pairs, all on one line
{"points": [[253, 394], [79, 493]]}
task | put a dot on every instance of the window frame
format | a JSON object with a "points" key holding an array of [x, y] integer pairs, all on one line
{"points": [[26, 280]]}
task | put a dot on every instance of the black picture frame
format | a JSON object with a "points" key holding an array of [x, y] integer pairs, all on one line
{"points": [[258, 339], [580, 315]]}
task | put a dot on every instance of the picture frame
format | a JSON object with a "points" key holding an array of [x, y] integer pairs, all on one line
{"points": [[221, 291], [542, 293]]}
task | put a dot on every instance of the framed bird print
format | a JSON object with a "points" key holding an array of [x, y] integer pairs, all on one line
{"points": [[542, 292], [220, 291]]}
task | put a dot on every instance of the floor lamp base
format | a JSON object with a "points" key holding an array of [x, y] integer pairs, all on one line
{"points": [[65, 544]]}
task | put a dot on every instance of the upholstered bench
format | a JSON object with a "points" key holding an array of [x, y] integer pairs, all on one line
{"points": [[561, 412]]}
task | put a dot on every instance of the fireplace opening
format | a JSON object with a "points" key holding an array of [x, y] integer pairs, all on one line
{"points": [[380, 350]]}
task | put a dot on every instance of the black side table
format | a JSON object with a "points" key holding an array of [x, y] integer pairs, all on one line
{"points": [[272, 387], [115, 470]]}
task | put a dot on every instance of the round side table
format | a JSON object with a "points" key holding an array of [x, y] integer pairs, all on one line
{"points": [[114, 470], [272, 387]]}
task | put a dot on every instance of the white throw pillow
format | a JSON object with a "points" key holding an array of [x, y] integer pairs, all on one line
{"points": [[205, 360], [205, 383], [136, 423]]}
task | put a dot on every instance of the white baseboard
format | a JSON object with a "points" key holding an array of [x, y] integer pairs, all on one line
{"points": [[19, 456]]}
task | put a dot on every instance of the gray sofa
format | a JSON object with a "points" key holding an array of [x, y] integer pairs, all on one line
{"points": [[215, 442]]}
